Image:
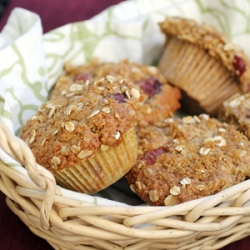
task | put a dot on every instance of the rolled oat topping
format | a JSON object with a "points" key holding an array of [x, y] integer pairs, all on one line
{"points": [[159, 99], [117, 135], [55, 160], [185, 181], [84, 153], [75, 149], [153, 195], [204, 151], [185, 160], [104, 147], [69, 126], [93, 113], [75, 87], [175, 190], [33, 135]]}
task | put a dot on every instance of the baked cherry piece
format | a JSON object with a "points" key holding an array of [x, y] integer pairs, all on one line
{"points": [[239, 65], [150, 156], [150, 86], [120, 98], [82, 77]]}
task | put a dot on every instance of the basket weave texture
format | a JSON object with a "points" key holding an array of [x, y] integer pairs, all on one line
{"points": [[66, 223]]}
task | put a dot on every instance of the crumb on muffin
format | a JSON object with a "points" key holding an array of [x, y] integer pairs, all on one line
{"points": [[159, 99], [185, 159]]}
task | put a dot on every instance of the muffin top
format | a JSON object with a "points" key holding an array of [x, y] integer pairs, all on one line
{"points": [[93, 115], [159, 99], [185, 159], [146, 77], [217, 44]]}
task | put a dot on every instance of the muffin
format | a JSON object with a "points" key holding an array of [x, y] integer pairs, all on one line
{"points": [[160, 100], [236, 111], [185, 159], [88, 139], [203, 63]]}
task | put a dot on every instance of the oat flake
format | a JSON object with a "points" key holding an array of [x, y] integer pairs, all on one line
{"points": [[69, 126], [84, 153], [175, 190]]}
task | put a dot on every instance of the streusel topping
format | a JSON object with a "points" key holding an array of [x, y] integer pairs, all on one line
{"points": [[185, 159], [159, 99]]}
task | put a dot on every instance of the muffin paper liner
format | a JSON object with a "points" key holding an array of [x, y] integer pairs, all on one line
{"points": [[103, 168], [198, 74]]}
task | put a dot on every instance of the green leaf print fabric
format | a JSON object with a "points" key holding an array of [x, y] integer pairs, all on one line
{"points": [[31, 62]]}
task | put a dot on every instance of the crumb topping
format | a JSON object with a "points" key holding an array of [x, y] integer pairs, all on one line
{"points": [[150, 85], [201, 157]]}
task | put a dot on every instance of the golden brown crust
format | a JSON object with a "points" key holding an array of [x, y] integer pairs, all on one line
{"points": [[92, 116], [185, 159], [236, 111], [160, 100], [218, 45]]}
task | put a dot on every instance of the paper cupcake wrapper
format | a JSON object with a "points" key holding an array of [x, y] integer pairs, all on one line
{"points": [[102, 169], [201, 77]]}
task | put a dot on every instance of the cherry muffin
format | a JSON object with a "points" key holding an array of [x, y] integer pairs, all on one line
{"points": [[160, 100], [185, 159], [203, 63], [88, 139]]}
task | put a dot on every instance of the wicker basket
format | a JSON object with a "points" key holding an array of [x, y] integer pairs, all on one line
{"points": [[66, 223]]}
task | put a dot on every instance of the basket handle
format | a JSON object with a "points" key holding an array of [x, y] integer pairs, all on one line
{"points": [[18, 150]]}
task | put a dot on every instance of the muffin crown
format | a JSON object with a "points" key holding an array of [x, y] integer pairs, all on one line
{"points": [[188, 158], [153, 86]]}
